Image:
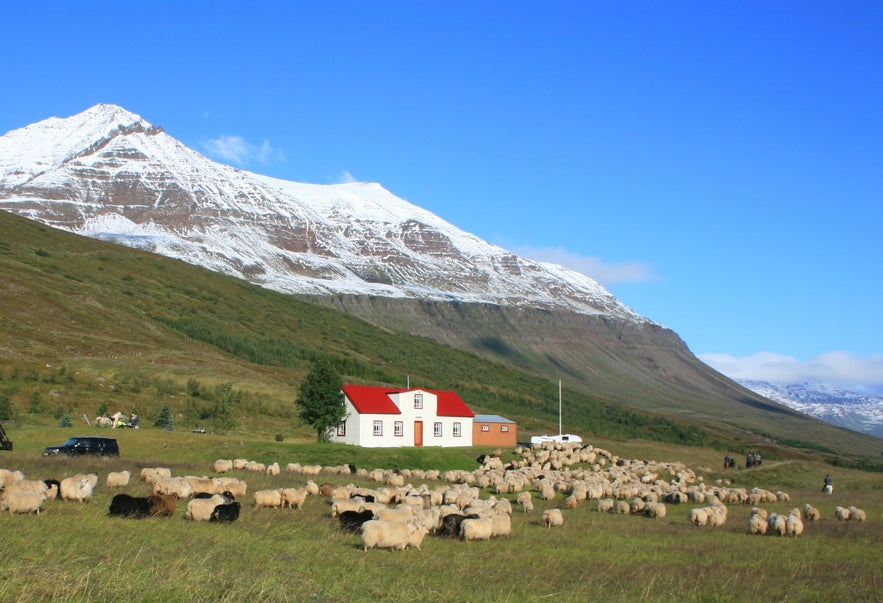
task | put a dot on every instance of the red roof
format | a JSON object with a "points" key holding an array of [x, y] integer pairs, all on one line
{"points": [[370, 399]]}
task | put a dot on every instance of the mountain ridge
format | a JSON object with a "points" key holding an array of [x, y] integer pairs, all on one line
{"points": [[391, 264]]}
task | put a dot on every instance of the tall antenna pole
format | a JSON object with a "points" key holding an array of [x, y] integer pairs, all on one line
{"points": [[408, 386], [559, 407]]}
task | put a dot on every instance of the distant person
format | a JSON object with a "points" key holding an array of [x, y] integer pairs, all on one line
{"points": [[133, 421], [749, 460], [727, 461], [757, 460], [828, 488]]}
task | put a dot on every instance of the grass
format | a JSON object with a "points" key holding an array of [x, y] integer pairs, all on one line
{"points": [[73, 552]]}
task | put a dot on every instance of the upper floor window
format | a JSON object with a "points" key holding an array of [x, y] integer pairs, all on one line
{"points": [[418, 400]]}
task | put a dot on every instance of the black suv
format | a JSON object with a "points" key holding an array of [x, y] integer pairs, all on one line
{"points": [[86, 445]]}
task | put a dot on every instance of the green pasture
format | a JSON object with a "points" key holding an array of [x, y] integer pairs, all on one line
{"points": [[74, 552]]}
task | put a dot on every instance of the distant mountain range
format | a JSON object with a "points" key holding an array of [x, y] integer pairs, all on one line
{"points": [[859, 412]]}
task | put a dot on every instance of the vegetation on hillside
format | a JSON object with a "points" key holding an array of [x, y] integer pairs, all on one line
{"points": [[88, 323]]}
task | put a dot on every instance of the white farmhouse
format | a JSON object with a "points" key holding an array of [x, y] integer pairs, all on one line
{"points": [[385, 417]]}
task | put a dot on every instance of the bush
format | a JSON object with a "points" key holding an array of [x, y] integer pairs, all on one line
{"points": [[65, 421], [164, 419], [279, 437]]}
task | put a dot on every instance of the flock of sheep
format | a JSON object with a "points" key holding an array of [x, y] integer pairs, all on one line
{"points": [[395, 514]]}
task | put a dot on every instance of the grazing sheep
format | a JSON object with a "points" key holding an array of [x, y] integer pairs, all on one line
{"points": [[340, 505], [605, 505], [22, 501], [200, 509], [124, 505], [294, 497], [118, 479], [78, 487], [526, 501], [552, 518], [856, 514], [794, 525], [268, 498], [353, 520], [152, 475], [757, 524], [225, 513], [273, 470], [777, 525], [841, 513], [173, 485], [501, 525], [395, 515], [476, 529], [391, 535], [235, 486], [163, 504], [223, 465], [656, 510], [697, 516], [810, 513]]}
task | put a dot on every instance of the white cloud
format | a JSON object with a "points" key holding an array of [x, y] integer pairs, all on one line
{"points": [[606, 274], [239, 151], [834, 368], [345, 178]]}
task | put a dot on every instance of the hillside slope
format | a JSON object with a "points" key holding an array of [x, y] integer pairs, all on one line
{"points": [[106, 316]]}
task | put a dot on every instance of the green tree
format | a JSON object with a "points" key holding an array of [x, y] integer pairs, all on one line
{"points": [[320, 403], [164, 419]]}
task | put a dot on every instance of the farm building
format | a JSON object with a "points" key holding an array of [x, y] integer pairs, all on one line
{"points": [[494, 430], [386, 417]]}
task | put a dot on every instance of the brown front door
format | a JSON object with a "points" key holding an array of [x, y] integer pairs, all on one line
{"points": [[418, 433]]}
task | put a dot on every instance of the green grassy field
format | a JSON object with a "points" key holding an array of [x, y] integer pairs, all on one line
{"points": [[73, 552]]}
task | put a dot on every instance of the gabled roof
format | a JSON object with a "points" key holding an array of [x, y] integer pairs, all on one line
{"points": [[370, 399]]}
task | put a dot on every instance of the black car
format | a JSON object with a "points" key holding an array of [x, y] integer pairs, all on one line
{"points": [[85, 445]]}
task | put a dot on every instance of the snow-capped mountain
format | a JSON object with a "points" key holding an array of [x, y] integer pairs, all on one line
{"points": [[859, 412], [109, 174]]}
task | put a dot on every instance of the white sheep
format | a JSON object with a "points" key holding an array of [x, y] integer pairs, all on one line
{"points": [[200, 509], [526, 501], [22, 501], [697, 516], [118, 479], [605, 505], [757, 524], [233, 485], [656, 510], [223, 465], [392, 535], [152, 475], [173, 485], [269, 498], [841, 513], [273, 470], [552, 518], [339, 505], [794, 525], [476, 529], [856, 514], [78, 487], [810, 513], [777, 524], [294, 497], [405, 513], [501, 525]]}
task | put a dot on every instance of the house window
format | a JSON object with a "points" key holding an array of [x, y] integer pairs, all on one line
{"points": [[457, 429], [504, 428], [485, 427], [418, 400], [437, 429], [378, 428], [398, 429], [341, 428]]}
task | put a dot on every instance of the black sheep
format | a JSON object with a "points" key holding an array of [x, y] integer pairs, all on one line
{"points": [[225, 513], [124, 505], [353, 520]]}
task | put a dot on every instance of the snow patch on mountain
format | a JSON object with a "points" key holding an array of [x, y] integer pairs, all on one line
{"points": [[835, 405], [107, 173]]}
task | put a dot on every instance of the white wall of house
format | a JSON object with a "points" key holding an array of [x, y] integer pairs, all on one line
{"points": [[418, 411]]}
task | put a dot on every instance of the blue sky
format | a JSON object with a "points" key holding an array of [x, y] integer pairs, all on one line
{"points": [[718, 167]]}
